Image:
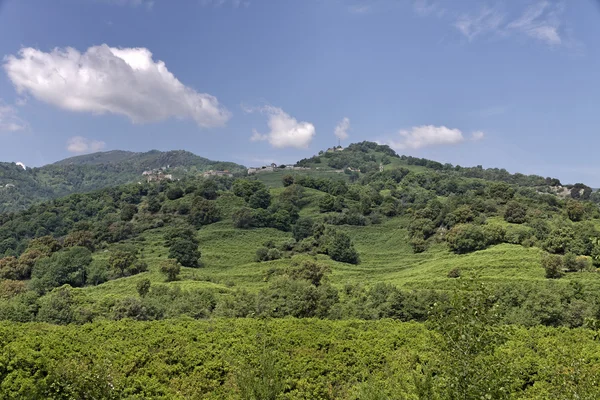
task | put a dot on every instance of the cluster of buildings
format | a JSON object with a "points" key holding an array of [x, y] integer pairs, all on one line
{"points": [[211, 172], [273, 167], [334, 149], [157, 175]]}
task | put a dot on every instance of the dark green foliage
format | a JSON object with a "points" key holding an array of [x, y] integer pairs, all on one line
{"points": [[341, 249], [128, 211], [174, 193], [303, 228], [67, 266], [466, 238], [203, 212], [515, 212], [185, 251], [143, 287]]}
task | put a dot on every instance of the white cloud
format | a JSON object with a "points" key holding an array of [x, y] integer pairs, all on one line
{"points": [[540, 21], [81, 145], [285, 131], [427, 135], [487, 20], [9, 120], [341, 130], [477, 135], [105, 79]]}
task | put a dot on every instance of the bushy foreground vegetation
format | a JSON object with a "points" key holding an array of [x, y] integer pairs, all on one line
{"points": [[297, 359]]}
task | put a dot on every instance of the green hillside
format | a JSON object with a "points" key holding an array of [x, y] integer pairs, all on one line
{"points": [[94, 171], [436, 257]]}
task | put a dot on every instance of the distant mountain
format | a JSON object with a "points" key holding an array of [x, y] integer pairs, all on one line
{"points": [[21, 188]]}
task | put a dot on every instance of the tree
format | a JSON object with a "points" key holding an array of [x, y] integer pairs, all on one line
{"points": [[575, 210], [515, 213], [243, 218], [120, 263], [342, 249], [128, 211], [287, 180], [170, 269], [465, 238], [303, 228], [174, 193], [143, 287], [80, 238], [553, 264], [186, 252], [203, 212], [260, 198], [67, 266], [327, 203], [309, 271]]}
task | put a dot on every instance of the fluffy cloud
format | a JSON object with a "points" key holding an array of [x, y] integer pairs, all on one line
{"points": [[109, 80], [430, 135], [341, 130], [81, 145], [285, 131], [9, 121]]}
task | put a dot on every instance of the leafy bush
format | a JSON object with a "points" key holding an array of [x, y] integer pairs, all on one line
{"points": [[466, 238], [515, 212], [553, 264]]}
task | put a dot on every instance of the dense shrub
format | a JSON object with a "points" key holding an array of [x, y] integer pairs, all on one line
{"points": [[466, 238]]}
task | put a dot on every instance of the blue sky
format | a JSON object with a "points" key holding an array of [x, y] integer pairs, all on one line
{"points": [[510, 84]]}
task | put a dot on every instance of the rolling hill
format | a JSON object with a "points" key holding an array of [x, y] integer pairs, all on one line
{"points": [[89, 172], [364, 278]]}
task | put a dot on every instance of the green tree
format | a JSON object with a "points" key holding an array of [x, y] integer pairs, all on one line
{"points": [[553, 264], [303, 228], [342, 249], [515, 213], [203, 212], [287, 180], [143, 287], [186, 252], [174, 193], [128, 211], [67, 266], [575, 210], [465, 238], [170, 269]]}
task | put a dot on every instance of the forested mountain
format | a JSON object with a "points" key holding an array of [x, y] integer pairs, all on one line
{"points": [[424, 280], [21, 188]]}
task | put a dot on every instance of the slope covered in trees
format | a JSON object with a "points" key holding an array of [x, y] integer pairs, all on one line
{"points": [[470, 258], [93, 171]]}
